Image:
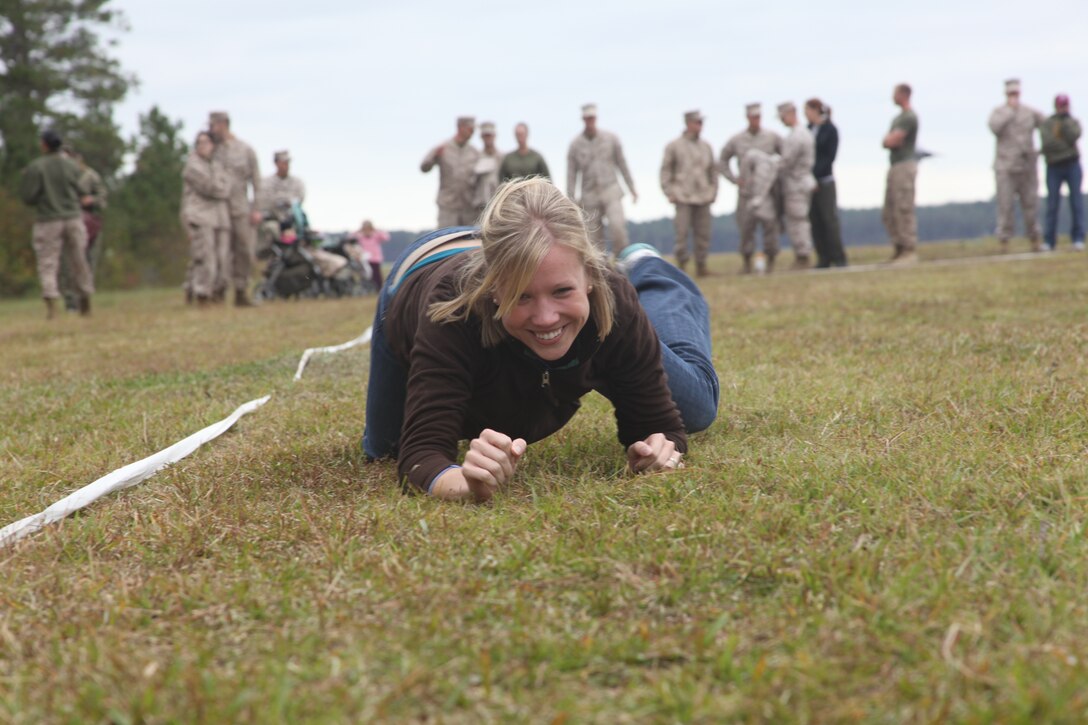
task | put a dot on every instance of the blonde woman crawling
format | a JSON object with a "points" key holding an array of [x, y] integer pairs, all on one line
{"points": [[493, 335]]}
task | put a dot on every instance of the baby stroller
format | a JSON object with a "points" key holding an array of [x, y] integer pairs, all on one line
{"points": [[292, 270], [354, 277]]}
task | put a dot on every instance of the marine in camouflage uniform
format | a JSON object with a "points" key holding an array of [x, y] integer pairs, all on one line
{"points": [[240, 163], [1016, 168], [50, 184], [768, 142], [798, 183], [899, 214], [456, 161], [278, 192], [594, 158], [92, 200], [487, 168], [206, 219], [689, 178]]}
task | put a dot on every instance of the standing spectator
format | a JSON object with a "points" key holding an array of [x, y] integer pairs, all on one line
{"points": [[371, 241], [798, 183], [768, 142], [689, 178], [824, 215], [279, 192], [456, 161], [523, 161], [50, 184], [1016, 166], [487, 168], [92, 200], [899, 217], [206, 218], [240, 162], [596, 156], [1060, 133]]}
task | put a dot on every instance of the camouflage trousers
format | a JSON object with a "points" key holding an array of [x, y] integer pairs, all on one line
{"points": [[795, 206], [692, 218], [53, 238], [452, 216], [1025, 186], [612, 212], [243, 243], [209, 260], [748, 222], [899, 217]]}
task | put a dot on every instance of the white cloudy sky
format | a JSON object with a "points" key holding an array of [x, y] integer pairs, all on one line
{"points": [[360, 90]]}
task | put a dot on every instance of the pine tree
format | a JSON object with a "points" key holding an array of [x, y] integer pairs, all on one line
{"points": [[146, 244], [55, 70]]}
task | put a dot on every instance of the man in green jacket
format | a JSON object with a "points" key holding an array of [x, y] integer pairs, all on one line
{"points": [[50, 184], [1060, 133]]}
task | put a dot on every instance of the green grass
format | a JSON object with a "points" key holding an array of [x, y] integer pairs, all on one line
{"points": [[886, 523]]}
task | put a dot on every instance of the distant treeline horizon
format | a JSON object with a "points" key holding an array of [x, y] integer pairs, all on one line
{"points": [[860, 227]]}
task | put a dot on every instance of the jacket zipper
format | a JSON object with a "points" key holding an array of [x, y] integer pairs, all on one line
{"points": [[546, 385]]}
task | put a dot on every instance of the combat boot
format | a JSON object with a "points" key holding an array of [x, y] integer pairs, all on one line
{"points": [[1036, 245], [85, 306], [50, 308], [241, 299], [701, 270], [1004, 246], [801, 261], [682, 264], [906, 258], [770, 262], [746, 265]]}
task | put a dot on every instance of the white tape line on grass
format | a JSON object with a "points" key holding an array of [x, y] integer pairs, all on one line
{"points": [[134, 473], [122, 478], [360, 340]]}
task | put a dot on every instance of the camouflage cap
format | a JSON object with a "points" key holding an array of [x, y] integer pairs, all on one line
{"points": [[1012, 85], [753, 109], [487, 128], [281, 156], [589, 110], [218, 116], [466, 120], [786, 107], [692, 116]]}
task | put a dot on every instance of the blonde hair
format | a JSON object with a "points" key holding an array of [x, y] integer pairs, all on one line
{"points": [[522, 221]]}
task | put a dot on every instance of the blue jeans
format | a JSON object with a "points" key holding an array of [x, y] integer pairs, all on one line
{"points": [[1065, 172], [672, 302], [681, 318]]}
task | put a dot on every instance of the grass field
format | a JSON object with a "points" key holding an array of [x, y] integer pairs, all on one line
{"points": [[886, 524]]}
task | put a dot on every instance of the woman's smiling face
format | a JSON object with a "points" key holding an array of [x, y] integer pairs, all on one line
{"points": [[554, 307]]}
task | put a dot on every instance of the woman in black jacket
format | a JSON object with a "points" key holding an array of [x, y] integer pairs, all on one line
{"points": [[824, 212]]}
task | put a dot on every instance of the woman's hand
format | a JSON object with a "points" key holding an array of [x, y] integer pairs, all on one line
{"points": [[656, 453], [490, 462]]}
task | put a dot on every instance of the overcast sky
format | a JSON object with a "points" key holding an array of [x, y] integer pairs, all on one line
{"points": [[359, 91]]}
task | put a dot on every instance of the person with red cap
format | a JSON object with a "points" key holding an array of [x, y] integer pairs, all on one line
{"points": [[1059, 135]]}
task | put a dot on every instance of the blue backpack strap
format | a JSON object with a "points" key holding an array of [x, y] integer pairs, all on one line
{"points": [[428, 250]]}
